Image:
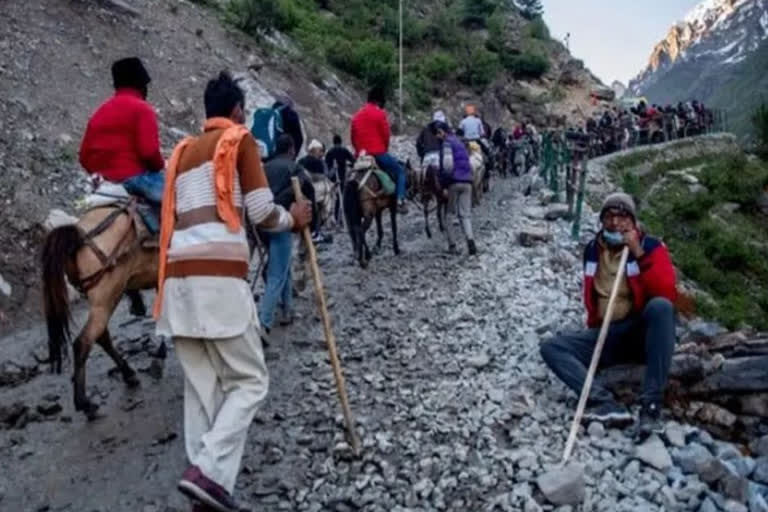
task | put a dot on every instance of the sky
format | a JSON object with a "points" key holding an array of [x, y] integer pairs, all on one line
{"points": [[614, 38]]}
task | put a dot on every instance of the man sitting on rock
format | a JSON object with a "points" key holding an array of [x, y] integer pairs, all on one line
{"points": [[642, 328]]}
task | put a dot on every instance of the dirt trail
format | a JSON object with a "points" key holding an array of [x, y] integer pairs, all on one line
{"points": [[405, 328]]}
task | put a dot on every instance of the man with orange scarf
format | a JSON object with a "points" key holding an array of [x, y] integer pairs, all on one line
{"points": [[204, 302]]}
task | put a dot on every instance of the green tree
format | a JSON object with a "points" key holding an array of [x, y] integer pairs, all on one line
{"points": [[477, 12], [530, 9]]}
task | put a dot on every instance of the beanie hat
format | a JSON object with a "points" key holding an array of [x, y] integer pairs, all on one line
{"points": [[130, 72], [439, 116], [314, 144], [619, 201]]}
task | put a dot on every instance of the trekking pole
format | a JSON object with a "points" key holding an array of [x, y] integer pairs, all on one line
{"points": [[575, 231], [595, 357], [349, 420]]}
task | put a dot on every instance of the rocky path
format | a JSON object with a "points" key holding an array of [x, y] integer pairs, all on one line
{"points": [[456, 410]]}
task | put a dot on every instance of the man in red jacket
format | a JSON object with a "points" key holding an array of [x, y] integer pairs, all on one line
{"points": [[121, 142], [642, 328], [370, 133]]}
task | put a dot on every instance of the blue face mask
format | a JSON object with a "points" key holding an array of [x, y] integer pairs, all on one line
{"points": [[613, 238]]}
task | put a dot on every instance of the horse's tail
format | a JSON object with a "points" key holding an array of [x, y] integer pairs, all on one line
{"points": [[59, 249]]}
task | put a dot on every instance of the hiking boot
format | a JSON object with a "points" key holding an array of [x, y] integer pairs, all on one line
{"points": [[610, 414], [198, 487], [286, 317], [472, 247], [649, 422]]}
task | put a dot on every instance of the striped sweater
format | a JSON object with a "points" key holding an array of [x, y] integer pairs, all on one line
{"points": [[205, 294], [201, 243]]}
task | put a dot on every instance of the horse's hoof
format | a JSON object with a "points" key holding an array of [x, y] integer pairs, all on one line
{"points": [[131, 380]]}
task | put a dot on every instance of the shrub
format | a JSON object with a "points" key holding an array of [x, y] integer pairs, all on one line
{"points": [[480, 68], [496, 33], [262, 16], [419, 91], [537, 29], [525, 65], [370, 60], [732, 178], [476, 12], [440, 66], [443, 29]]}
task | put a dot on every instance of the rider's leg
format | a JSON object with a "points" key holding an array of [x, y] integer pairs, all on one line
{"points": [[149, 185], [391, 166]]}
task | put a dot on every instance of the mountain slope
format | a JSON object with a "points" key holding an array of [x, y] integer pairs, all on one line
{"points": [[714, 54]]}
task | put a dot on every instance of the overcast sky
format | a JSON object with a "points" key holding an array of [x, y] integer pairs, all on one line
{"points": [[614, 37]]}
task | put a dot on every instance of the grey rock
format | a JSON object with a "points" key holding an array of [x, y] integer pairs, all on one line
{"points": [[693, 458], [735, 506], [556, 211], [712, 471], [531, 236], [757, 503], [596, 430], [759, 447], [742, 466], [735, 487], [654, 453], [563, 486], [726, 451], [478, 361], [708, 506], [532, 505], [632, 470], [761, 470], [675, 434]]}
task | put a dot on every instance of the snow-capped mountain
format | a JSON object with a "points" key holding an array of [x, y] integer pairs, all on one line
{"points": [[715, 35]]}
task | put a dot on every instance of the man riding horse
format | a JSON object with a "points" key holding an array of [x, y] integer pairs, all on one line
{"points": [[122, 144]]}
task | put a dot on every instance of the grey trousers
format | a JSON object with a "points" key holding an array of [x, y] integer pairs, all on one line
{"points": [[647, 339], [460, 202]]}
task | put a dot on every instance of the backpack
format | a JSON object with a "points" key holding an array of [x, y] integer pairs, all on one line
{"points": [[446, 162], [267, 127]]}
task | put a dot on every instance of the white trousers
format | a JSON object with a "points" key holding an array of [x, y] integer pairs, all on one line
{"points": [[225, 381]]}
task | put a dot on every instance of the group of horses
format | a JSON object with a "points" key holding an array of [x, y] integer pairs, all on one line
{"points": [[109, 253]]}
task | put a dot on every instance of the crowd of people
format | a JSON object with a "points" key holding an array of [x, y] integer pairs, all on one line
{"points": [[621, 128], [218, 181]]}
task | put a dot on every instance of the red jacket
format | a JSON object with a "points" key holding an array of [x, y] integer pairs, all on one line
{"points": [[370, 130], [122, 139], [651, 276]]}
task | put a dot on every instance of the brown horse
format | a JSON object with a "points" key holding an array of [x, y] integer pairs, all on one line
{"points": [[364, 201], [103, 255], [425, 188]]}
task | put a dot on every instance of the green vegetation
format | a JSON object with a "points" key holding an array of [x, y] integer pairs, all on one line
{"points": [[443, 40], [760, 127], [716, 236]]}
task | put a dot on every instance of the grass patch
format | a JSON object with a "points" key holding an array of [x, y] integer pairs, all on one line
{"points": [[725, 253]]}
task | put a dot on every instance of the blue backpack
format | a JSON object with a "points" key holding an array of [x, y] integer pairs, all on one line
{"points": [[267, 127]]}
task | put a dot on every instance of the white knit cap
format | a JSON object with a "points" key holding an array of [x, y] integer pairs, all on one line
{"points": [[315, 144], [439, 116]]}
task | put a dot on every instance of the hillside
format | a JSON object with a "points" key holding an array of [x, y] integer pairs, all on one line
{"points": [[718, 51], [57, 73]]}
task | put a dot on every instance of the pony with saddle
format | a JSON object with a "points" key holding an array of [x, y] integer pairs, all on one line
{"points": [[108, 252], [368, 192]]}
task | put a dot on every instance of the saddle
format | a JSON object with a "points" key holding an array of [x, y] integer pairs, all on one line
{"points": [[144, 219], [365, 168]]}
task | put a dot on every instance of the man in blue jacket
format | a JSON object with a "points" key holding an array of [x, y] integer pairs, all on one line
{"points": [[456, 175]]}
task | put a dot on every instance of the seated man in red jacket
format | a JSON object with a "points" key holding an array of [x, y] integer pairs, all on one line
{"points": [[370, 133], [121, 142], [643, 322]]}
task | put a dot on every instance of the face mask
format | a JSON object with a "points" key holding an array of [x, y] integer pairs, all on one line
{"points": [[613, 238]]}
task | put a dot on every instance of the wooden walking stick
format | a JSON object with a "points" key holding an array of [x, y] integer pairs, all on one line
{"points": [[349, 420], [595, 357]]}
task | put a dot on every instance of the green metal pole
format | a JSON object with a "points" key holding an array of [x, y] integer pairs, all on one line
{"points": [[576, 230]]}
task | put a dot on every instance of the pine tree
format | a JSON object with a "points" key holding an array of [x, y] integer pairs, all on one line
{"points": [[530, 9]]}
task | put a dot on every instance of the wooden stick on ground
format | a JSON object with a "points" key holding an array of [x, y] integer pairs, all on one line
{"points": [[595, 357], [349, 420]]}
